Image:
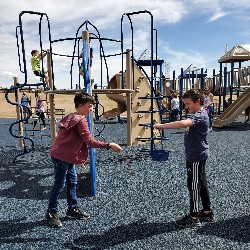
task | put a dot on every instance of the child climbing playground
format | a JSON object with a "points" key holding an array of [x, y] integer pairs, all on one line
{"points": [[197, 150], [40, 112], [71, 149], [35, 63]]}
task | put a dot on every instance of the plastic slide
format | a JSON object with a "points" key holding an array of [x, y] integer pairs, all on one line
{"points": [[120, 99], [234, 110]]}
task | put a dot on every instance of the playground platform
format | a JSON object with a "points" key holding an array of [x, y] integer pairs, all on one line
{"points": [[138, 197]]}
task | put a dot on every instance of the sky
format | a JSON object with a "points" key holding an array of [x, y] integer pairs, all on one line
{"points": [[188, 32]]}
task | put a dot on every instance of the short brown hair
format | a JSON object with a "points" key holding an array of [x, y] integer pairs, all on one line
{"points": [[194, 95], [83, 98], [174, 95], [33, 52]]}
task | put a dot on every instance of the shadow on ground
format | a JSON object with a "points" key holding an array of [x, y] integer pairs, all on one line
{"points": [[32, 178], [11, 230], [235, 126], [118, 235], [237, 229]]}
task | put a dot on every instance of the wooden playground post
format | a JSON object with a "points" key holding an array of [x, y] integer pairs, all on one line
{"points": [[129, 98], [20, 128], [51, 100]]}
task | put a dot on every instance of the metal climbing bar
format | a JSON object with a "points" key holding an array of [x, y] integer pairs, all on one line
{"points": [[26, 150], [41, 15]]}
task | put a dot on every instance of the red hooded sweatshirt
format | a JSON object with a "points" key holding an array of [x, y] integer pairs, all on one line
{"points": [[73, 140]]}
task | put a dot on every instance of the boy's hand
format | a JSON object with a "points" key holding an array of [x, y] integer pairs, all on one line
{"points": [[115, 147], [157, 125]]}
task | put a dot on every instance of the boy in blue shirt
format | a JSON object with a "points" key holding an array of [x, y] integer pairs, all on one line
{"points": [[196, 150]]}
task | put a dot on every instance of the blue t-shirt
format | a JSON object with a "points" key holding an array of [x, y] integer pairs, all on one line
{"points": [[195, 142]]}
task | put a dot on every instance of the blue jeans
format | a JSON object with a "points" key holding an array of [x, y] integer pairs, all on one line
{"points": [[64, 173]]}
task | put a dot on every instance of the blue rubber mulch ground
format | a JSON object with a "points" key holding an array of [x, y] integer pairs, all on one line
{"points": [[138, 197]]}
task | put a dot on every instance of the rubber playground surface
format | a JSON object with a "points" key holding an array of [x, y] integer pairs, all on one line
{"points": [[138, 198]]}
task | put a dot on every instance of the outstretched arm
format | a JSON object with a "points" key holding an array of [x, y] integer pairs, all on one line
{"points": [[84, 133], [175, 125]]}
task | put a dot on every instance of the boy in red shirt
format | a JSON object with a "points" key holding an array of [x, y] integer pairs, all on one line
{"points": [[70, 149]]}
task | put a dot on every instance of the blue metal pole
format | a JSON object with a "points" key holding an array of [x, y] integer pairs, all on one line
{"points": [[232, 82], [96, 105], [85, 60], [174, 80], [181, 93], [193, 79], [160, 82], [202, 79], [214, 81], [220, 89], [238, 91], [225, 87]]}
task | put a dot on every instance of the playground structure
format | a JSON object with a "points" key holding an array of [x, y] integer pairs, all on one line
{"points": [[128, 99], [132, 89], [238, 80], [136, 94], [234, 110], [235, 81]]}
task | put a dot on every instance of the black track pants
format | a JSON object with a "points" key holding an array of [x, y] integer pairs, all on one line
{"points": [[197, 186]]}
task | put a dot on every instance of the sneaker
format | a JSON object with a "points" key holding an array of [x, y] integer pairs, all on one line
{"points": [[77, 213], [206, 217], [43, 128], [53, 220], [188, 221], [47, 88]]}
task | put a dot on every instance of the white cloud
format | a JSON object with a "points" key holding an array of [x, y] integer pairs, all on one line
{"points": [[246, 46], [182, 59], [8, 73], [65, 17], [217, 15]]}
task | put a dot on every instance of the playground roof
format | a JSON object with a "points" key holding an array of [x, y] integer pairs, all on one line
{"points": [[145, 59], [237, 54], [193, 71]]}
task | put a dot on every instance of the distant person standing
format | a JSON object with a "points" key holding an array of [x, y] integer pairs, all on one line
{"points": [[170, 98], [174, 108], [25, 101], [209, 105]]}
